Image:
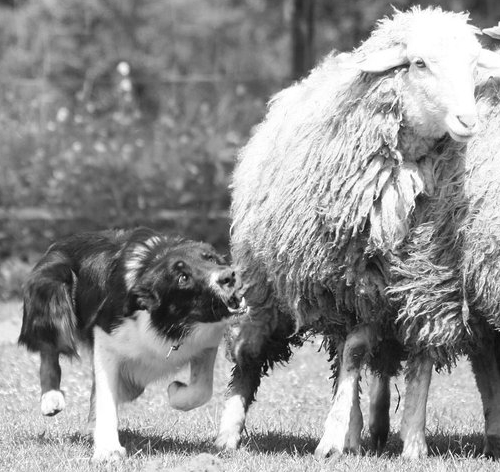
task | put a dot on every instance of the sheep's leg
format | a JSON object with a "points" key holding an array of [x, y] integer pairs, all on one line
{"points": [[256, 349], [412, 433], [353, 438], [344, 422], [244, 384], [380, 400], [52, 399], [486, 371]]}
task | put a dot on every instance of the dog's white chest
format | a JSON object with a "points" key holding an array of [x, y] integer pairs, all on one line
{"points": [[145, 356]]}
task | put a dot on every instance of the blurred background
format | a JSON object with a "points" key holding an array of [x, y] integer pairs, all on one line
{"points": [[115, 113]]}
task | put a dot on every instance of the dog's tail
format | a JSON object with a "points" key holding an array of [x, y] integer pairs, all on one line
{"points": [[49, 319]]}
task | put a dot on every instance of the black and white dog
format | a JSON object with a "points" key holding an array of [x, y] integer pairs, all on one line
{"points": [[146, 304]]}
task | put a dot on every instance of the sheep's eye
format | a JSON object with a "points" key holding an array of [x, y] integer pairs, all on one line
{"points": [[183, 280], [419, 62]]}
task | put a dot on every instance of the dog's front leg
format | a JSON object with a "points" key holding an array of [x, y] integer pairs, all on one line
{"points": [[107, 446], [199, 391]]}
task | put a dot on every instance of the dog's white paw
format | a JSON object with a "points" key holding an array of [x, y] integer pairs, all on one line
{"points": [[104, 454], [186, 397], [52, 402]]}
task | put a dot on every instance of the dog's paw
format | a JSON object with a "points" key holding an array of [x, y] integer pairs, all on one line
{"points": [[52, 402], [186, 397], [104, 454]]}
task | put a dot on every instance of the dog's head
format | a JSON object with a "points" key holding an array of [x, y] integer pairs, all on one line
{"points": [[180, 283]]}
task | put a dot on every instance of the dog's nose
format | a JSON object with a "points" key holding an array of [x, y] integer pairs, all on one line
{"points": [[227, 278]]}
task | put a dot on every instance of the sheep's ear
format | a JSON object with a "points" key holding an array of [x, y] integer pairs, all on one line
{"points": [[383, 60], [490, 61], [142, 298]]}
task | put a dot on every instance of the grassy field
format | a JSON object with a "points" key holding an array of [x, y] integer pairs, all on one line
{"points": [[283, 427]]}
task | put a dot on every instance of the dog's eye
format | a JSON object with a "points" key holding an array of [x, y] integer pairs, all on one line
{"points": [[183, 280]]}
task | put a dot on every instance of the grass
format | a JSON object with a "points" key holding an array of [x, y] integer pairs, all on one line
{"points": [[283, 428]]}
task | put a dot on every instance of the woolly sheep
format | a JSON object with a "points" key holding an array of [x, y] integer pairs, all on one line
{"points": [[324, 195], [449, 282], [481, 259]]}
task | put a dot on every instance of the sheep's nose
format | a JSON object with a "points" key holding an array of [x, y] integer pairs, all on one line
{"points": [[227, 278], [467, 121]]}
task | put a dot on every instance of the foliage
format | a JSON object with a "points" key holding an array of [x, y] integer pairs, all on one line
{"points": [[99, 145], [91, 145], [13, 273]]}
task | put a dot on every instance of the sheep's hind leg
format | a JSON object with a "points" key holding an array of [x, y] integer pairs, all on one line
{"points": [[380, 400], [486, 371], [344, 422], [52, 400], [412, 433]]}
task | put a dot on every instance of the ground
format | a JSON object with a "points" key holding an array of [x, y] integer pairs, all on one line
{"points": [[284, 425]]}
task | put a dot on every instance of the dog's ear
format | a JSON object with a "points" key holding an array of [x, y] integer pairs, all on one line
{"points": [[143, 298]]}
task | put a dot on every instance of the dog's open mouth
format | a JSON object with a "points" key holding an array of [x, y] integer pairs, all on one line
{"points": [[236, 305]]}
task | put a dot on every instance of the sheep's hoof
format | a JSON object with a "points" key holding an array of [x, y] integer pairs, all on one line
{"points": [[227, 441], [322, 453], [325, 450], [52, 402], [108, 454], [378, 439], [415, 446], [89, 429], [492, 447]]}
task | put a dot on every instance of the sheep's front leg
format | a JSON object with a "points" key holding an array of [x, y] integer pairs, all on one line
{"points": [[107, 446], [344, 422], [485, 367], [199, 391], [255, 349], [412, 433], [242, 389]]}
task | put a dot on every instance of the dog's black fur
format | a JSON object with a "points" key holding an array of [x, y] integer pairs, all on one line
{"points": [[80, 283], [105, 281]]}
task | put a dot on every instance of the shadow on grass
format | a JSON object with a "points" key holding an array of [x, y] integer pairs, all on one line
{"points": [[440, 444], [136, 442], [460, 445], [272, 441]]}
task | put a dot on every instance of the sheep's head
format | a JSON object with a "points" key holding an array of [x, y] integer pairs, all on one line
{"points": [[442, 57]]}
